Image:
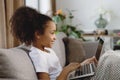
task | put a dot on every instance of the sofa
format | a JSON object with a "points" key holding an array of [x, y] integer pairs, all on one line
{"points": [[15, 63]]}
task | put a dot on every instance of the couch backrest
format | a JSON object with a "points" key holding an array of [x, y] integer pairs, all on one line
{"points": [[15, 64], [59, 48]]}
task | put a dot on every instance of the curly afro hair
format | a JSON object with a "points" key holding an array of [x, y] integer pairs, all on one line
{"points": [[25, 21]]}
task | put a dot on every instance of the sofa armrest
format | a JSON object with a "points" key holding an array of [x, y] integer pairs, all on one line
{"points": [[15, 64]]}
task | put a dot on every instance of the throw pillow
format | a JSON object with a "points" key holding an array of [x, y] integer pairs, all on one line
{"points": [[74, 50]]}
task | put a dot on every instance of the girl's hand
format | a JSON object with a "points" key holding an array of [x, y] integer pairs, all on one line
{"points": [[90, 60], [66, 70], [72, 66]]}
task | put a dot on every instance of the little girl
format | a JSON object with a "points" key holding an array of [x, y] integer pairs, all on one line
{"points": [[38, 30]]}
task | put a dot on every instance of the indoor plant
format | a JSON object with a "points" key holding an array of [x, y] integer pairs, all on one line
{"points": [[61, 20]]}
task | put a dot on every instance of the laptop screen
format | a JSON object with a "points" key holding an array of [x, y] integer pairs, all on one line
{"points": [[99, 49]]}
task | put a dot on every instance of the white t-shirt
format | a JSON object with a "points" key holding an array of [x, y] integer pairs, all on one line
{"points": [[46, 62]]}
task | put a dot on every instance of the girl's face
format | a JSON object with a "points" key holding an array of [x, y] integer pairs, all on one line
{"points": [[47, 39]]}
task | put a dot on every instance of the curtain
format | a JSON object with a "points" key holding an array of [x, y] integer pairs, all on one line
{"points": [[7, 8]]}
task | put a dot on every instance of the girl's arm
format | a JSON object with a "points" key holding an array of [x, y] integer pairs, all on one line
{"points": [[66, 70], [63, 75], [43, 76], [72, 66]]}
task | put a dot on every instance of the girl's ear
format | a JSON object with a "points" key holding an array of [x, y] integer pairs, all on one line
{"points": [[37, 35]]}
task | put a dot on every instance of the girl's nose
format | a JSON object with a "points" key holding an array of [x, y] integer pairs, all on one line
{"points": [[54, 37]]}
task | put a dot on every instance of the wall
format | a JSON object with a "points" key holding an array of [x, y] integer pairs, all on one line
{"points": [[87, 12]]}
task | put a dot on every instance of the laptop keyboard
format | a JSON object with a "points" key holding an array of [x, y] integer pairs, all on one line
{"points": [[85, 70]]}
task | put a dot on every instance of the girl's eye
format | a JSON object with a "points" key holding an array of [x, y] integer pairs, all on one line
{"points": [[53, 32]]}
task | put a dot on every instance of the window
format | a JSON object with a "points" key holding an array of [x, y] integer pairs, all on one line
{"points": [[44, 6], [32, 3]]}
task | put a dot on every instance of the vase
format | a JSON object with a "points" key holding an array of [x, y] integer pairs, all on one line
{"points": [[101, 23]]}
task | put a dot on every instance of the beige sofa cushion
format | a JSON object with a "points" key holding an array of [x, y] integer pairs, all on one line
{"points": [[74, 50], [15, 64], [59, 48]]}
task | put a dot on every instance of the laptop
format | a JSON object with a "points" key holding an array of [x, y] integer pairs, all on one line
{"points": [[88, 70]]}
